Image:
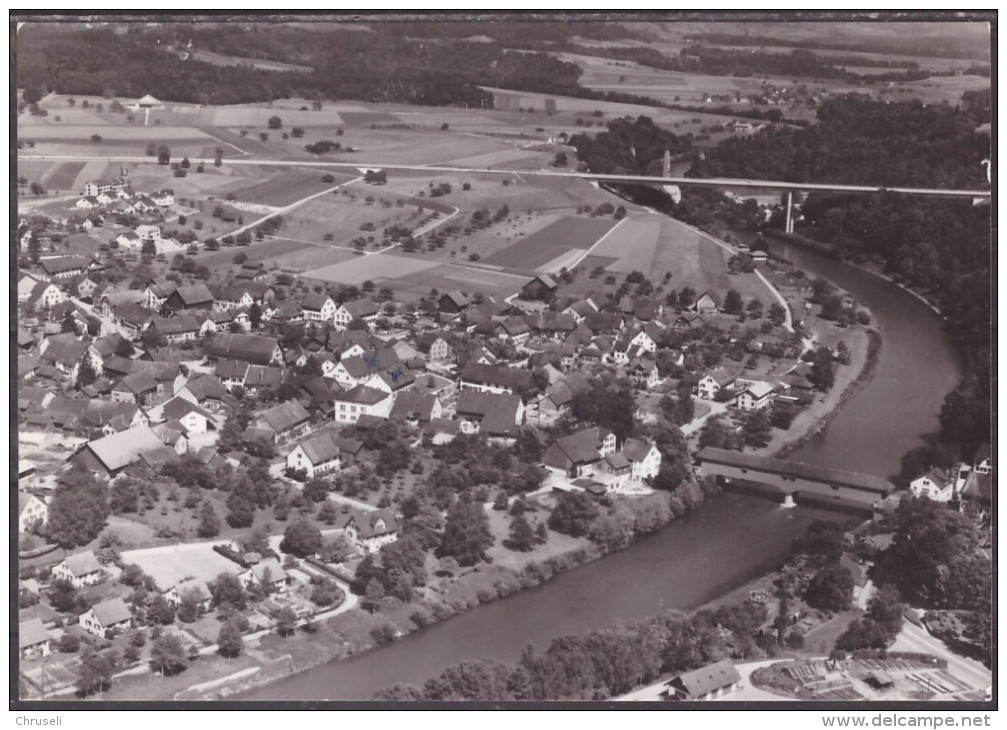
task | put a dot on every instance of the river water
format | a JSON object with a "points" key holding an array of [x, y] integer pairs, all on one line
{"points": [[726, 542]]}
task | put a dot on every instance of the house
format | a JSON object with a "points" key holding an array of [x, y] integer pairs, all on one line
{"points": [[144, 102], [111, 454], [453, 302], [706, 683], [104, 185], [111, 615], [44, 295], [362, 309], [64, 267], [172, 435], [983, 460], [137, 387], [362, 400], [707, 302], [755, 395], [370, 530], [164, 198], [25, 285], [317, 307], [32, 512], [317, 454], [177, 329], [936, 485], [81, 569], [415, 408], [643, 457], [197, 296], [571, 454], [256, 349], [493, 414], [262, 376], [33, 640], [191, 588], [82, 287], [88, 202], [555, 403], [205, 390], [155, 295], [285, 420], [494, 378], [542, 288], [268, 574], [711, 383]]}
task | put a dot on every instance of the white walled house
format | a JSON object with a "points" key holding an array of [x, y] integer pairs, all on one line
{"points": [[79, 570], [317, 454], [936, 485], [362, 401]]}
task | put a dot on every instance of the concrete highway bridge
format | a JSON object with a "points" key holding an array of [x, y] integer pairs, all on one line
{"points": [[795, 479], [656, 181]]}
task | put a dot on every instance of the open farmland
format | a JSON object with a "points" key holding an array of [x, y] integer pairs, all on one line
{"points": [[551, 242], [286, 188], [466, 277], [376, 267], [63, 176], [632, 244]]}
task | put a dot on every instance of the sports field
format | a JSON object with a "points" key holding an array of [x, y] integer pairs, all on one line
{"points": [[553, 241]]}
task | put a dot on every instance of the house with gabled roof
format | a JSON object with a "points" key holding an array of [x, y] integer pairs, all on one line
{"points": [[369, 530], [497, 415], [64, 267], [319, 453], [32, 512], [542, 288], [365, 310], [317, 307], [137, 387], [936, 485], [453, 302], [708, 301], [196, 296], [256, 349], [111, 615], [711, 383], [33, 639], [258, 377], [644, 458], [571, 455], [79, 570], [494, 378], [192, 418], [111, 454], [754, 395], [44, 295], [267, 574], [706, 683], [204, 390], [284, 420], [415, 408], [362, 400]]}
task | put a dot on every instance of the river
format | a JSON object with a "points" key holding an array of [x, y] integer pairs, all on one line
{"points": [[723, 544]]}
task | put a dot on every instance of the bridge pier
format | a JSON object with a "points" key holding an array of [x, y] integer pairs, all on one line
{"points": [[788, 502], [789, 227]]}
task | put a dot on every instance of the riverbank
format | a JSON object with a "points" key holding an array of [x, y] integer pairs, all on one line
{"points": [[826, 249], [865, 351]]}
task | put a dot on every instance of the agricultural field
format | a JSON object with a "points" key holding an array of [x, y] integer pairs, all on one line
{"points": [[376, 268], [285, 187], [554, 241]]}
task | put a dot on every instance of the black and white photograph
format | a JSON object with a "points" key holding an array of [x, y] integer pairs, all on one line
{"points": [[498, 360]]}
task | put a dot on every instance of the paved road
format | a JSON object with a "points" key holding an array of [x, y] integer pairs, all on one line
{"points": [[916, 638], [695, 182]]}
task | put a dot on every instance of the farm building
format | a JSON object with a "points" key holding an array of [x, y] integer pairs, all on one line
{"points": [[285, 420], [33, 640], [109, 455], [247, 348], [542, 288], [706, 683]]}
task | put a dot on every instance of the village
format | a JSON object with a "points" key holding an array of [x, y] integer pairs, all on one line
{"points": [[311, 400]]}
